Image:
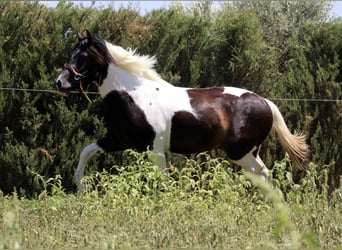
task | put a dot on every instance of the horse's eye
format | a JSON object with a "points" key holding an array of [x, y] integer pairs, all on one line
{"points": [[76, 78]]}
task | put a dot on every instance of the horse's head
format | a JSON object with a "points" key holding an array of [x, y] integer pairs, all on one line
{"points": [[88, 63]]}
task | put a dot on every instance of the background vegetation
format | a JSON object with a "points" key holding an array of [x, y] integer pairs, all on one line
{"points": [[286, 51]]}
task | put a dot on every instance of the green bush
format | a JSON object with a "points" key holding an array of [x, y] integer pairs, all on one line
{"points": [[42, 134]]}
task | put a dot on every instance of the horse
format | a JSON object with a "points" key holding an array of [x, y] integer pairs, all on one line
{"points": [[144, 112]]}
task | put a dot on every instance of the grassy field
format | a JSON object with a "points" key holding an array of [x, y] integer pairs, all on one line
{"points": [[191, 208]]}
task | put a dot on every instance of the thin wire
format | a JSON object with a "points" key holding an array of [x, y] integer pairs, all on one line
{"points": [[304, 100], [44, 91], [97, 93]]}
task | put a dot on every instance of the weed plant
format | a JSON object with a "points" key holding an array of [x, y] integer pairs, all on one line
{"points": [[204, 205]]}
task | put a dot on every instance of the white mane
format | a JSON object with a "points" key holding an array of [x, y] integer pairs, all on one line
{"points": [[133, 63]]}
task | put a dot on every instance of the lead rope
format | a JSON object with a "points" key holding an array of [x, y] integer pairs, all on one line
{"points": [[83, 92], [80, 79]]}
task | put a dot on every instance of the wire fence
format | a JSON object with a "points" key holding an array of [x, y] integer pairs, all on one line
{"points": [[44, 91], [97, 93]]}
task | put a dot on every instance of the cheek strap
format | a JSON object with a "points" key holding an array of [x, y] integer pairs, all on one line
{"points": [[73, 70], [83, 92]]}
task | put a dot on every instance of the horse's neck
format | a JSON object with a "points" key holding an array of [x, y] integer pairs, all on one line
{"points": [[120, 79]]}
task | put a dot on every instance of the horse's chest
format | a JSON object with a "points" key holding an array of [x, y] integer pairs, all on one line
{"points": [[160, 104], [123, 117], [143, 109]]}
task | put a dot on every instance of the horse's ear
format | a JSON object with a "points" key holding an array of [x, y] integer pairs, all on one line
{"points": [[90, 37]]}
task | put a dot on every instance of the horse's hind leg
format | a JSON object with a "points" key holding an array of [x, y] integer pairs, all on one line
{"points": [[251, 162], [86, 153]]}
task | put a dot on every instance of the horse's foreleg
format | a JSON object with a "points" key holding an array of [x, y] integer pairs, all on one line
{"points": [[159, 155], [160, 161], [86, 153], [253, 164]]}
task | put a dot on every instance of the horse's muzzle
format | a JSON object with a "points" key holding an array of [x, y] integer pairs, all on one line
{"points": [[57, 84], [59, 89]]}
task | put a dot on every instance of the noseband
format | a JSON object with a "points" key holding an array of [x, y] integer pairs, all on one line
{"points": [[78, 77]]}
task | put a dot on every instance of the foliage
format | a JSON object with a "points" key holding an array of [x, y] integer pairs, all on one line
{"points": [[141, 208], [236, 54], [178, 52], [281, 50]]}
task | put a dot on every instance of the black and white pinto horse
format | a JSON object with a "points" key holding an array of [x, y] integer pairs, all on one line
{"points": [[142, 111]]}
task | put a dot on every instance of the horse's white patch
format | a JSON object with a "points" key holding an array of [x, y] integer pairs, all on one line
{"points": [[86, 153], [159, 104], [117, 79], [63, 79], [253, 164], [158, 100], [235, 91]]}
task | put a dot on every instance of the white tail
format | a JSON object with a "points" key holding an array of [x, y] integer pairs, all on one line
{"points": [[294, 144]]}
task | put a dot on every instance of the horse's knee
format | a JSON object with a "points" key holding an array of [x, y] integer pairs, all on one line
{"points": [[89, 151], [86, 153]]}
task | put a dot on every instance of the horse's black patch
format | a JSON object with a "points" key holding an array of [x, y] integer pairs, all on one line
{"points": [[127, 126], [190, 134], [234, 124], [251, 123]]}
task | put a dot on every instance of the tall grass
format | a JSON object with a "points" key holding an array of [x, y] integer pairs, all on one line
{"points": [[203, 205]]}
